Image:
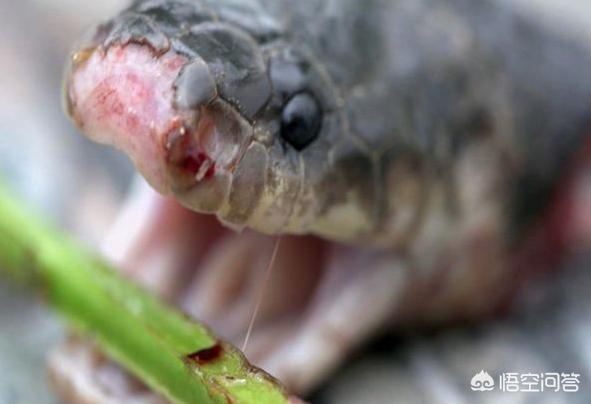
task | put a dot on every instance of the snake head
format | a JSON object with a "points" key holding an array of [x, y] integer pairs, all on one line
{"points": [[230, 120]]}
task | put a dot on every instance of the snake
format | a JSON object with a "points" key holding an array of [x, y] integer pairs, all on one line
{"points": [[418, 158]]}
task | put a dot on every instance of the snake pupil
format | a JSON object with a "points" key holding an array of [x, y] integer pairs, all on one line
{"points": [[301, 121]]}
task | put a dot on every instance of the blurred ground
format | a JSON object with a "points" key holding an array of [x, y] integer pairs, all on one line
{"points": [[80, 184]]}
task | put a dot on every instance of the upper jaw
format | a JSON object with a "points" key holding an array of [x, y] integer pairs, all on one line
{"points": [[127, 96], [123, 96]]}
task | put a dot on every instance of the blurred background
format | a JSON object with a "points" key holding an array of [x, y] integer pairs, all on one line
{"points": [[80, 185]]}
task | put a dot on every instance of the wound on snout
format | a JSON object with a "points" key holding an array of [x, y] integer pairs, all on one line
{"points": [[185, 154], [208, 355]]}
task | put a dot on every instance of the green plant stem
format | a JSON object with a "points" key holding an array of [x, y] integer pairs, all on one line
{"points": [[175, 356]]}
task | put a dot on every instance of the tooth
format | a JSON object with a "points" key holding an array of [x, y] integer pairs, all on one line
{"points": [[205, 166]]}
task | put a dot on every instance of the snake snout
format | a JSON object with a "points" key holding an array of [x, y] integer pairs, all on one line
{"points": [[124, 96], [185, 143]]}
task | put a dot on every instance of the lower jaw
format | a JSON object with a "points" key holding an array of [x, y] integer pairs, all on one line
{"points": [[214, 273], [217, 275]]}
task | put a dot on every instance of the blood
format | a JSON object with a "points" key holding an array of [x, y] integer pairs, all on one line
{"points": [[185, 154], [207, 355], [193, 163], [555, 234]]}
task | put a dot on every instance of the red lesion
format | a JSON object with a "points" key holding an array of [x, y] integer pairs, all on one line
{"points": [[208, 355], [124, 96], [110, 105], [185, 154], [118, 106], [193, 164]]}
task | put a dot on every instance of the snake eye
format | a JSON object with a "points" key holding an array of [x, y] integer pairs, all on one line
{"points": [[301, 121]]}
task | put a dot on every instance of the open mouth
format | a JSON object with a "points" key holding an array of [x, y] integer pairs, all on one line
{"points": [[125, 97], [218, 275], [307, 301], [320, 299]]}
